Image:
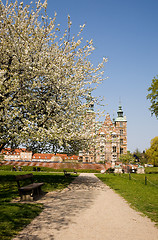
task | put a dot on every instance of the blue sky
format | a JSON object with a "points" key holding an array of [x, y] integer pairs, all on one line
{"points": [[126, 32]]}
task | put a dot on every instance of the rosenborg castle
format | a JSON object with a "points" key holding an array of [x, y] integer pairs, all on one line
{"points": [[110, 140]]}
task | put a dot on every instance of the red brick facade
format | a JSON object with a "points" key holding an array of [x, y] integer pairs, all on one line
{"points": [[110, 140]]}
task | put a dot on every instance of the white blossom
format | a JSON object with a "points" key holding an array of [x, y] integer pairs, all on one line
{"points": [[44, 80]]}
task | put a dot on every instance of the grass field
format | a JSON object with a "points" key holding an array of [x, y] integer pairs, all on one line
{"points": [[15, 216], [142, 197]]}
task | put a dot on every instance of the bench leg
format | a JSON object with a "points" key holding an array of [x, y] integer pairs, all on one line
{"points": [[27, 198], [38, 191]]}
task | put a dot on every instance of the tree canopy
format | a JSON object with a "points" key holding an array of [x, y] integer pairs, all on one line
{"points": [[127, 158], [152, 152], [45, 78], [153, 96]]}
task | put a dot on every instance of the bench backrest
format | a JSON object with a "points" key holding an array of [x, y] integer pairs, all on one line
{"points": [[23, 178]]}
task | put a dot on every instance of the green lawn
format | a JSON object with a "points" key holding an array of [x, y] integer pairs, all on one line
{"points": [[142, 197], [15, 216]]}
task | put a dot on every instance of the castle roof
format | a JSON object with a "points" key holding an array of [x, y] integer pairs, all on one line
{"points": [[120, 117]]}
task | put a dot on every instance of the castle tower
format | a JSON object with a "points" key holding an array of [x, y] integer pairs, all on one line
{"points": [[121, 128], [109, 137]]}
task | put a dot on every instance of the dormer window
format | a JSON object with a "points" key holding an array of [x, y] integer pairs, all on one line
{"points": [[102, 135]]}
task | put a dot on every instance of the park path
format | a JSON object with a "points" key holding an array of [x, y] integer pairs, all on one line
{"points": [[88, 210]]}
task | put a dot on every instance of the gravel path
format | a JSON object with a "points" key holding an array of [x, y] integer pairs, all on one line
{"points": [[88, 209]]}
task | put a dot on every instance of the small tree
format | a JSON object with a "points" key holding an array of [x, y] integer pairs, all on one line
{"points": [[152, 152], [139, 156], [127, 158]]}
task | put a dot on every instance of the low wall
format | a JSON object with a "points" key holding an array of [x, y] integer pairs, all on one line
{"points": [[77, 166]]}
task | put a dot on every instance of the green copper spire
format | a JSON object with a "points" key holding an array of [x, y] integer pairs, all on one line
{"points": [[120, 117], [120, 111]]}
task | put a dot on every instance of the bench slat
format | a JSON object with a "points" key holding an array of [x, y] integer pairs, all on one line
{"points": [[23, 177], [31, 186]]}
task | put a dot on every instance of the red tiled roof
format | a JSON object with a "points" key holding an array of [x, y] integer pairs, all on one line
{"points": [[65, 156], [42, 155], [13, 151], [50, 155], [39, 155]]}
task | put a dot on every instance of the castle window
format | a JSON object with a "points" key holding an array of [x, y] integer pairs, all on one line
{"points": [[121, 150], [102, 157], [121, 124], [121, 141], [102, 135], [121, 132], [114, 148], [86, 159]]}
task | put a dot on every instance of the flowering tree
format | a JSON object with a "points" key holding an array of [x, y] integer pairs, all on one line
{"points": [[44, 79]]}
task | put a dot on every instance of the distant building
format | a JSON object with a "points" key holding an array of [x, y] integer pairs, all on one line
{"points": [[110, 139], [22, 154]]}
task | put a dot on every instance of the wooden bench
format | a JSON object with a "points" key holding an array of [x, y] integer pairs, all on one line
{"points": [[33, 189]]}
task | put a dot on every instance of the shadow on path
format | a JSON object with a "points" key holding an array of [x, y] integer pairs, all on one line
{"points": [[60, 208]]}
